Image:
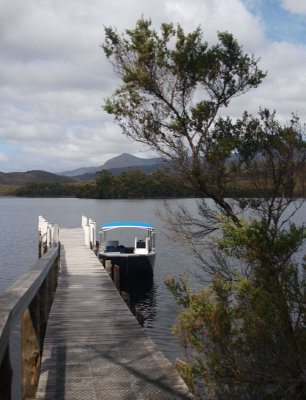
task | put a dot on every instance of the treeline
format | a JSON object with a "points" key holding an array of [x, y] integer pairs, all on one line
{"points": [[137, 184], [46, 189], [131, 184]]}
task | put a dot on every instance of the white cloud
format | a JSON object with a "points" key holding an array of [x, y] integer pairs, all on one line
{"points": [[283, 88], [214, 16], [295, 6], [3, 157], [54, 76]]}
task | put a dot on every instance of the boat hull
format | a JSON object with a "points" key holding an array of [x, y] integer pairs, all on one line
{"points": [[132, 266]]}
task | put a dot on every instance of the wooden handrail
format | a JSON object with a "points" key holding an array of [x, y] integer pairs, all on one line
{"points": [[27, 301]]}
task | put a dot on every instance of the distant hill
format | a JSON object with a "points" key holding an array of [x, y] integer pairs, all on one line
{"points": [[117, 165], [78, 171], [21, 178], [127, 160], [147, 169]]}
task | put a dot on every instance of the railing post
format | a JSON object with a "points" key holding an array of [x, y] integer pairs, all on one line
{"points": [[49, 235], [116, 270], [84, 221], [44, 236], [54, 235], [108, 267], [89, 227], [87, 235], [93, 235], [90, 233], [39, 236], [30, 350], [42, 233], [140, 318]]}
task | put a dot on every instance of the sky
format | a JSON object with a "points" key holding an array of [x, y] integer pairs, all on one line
{"points": [[54, 76]]}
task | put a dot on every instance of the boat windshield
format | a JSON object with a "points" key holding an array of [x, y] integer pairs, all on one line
{"points": [[140, 235], [114, 225]]}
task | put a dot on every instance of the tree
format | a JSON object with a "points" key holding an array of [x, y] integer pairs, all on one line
{"points": [[249, 261], [155, 103], [245, 338], [104, 183]]}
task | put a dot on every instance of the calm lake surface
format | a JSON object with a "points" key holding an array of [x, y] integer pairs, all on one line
{"points": [[19, 249]]}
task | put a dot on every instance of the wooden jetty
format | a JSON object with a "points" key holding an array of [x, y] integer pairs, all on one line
{"points": [[93, 347]]}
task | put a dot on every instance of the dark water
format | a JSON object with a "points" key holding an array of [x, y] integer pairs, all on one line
{"points": [[19, 249]]}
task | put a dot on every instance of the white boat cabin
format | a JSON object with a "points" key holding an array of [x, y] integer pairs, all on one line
{"points": [[138, 246]]}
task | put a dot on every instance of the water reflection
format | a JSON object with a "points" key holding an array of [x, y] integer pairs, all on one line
{"points": [[142, 295]]}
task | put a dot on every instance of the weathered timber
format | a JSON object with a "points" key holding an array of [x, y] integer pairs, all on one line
{"points": [[140, 318], [28, 300], [30, 351], [94, 347], [116, 272], [108, 267], [126, 297]]}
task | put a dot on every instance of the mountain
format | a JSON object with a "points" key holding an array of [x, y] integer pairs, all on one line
{"points": [[79, 171], [117, 165], [147, 169], [21, 178], [127, 160]]}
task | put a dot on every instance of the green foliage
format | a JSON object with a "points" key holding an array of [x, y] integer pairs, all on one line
{"points": [[46, 189], [137, 184], [104, 183], [257, 242], [87, 191], [245, 338], [186, 372], [131, 184]]}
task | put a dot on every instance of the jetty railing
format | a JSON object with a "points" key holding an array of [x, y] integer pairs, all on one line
{"points": [[48, 235], [90, 230], [28, 302]]}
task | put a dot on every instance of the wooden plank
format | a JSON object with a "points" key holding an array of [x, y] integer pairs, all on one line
{"points": [[30, 352], [94, 347]]}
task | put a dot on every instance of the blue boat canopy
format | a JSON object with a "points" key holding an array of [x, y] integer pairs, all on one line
{"points": [[113, 225]]}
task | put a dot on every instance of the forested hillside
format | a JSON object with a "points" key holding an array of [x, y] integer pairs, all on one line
{"points": [[132, 184], [137, 184]]}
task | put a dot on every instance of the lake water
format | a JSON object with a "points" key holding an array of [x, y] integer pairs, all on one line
{"points": [[19, 249]]}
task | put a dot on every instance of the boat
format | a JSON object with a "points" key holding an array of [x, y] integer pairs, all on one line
{"points": [[135, 258]]}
